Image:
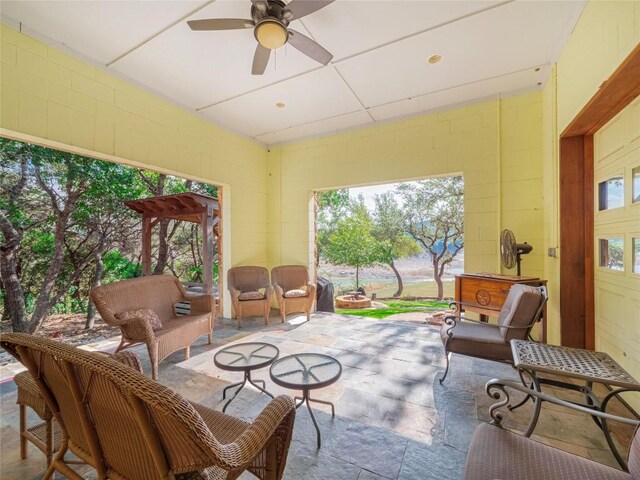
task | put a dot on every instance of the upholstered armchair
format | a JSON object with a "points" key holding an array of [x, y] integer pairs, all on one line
{"points": [[521, 310], [126, 425], [293, 289], [144, 309], [250, 291], [498, 453]]}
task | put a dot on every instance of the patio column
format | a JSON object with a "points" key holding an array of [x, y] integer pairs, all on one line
{"points": [[207, 250], [146, 245]]}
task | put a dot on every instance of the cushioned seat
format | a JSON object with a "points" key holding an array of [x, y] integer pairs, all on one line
{"points": [[251, 292], [294, 290], [521, 310], [496, 453]]}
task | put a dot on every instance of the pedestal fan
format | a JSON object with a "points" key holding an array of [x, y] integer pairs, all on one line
{"points": [[510, 251]]}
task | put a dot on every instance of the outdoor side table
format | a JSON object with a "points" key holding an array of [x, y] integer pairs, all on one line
{"points": [[306, 372], [245, 357], [533, 358]]}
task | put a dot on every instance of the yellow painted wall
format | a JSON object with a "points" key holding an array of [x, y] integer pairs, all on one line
{"points": [[51, 98], [521, 187], [496, 145], [604, 36]]}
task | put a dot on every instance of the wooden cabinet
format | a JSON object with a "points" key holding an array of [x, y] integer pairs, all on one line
{"points": [[485, 293]]}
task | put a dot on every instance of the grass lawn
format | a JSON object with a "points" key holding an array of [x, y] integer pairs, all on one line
{"points": [[394, 307]]}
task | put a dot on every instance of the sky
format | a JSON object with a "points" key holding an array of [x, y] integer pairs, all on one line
{"points": [[369, 192]]}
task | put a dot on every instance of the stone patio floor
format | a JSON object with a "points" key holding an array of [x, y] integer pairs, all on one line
{"points": [[393, 418]]}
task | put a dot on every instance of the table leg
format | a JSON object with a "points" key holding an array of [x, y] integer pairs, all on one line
{"points": [[224, 392], [537, 404], [526, 398], [253, 382], [306, 399], [605, 426], [235, 394]]}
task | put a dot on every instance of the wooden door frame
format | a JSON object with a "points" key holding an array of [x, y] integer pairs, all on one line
{"points": [[577, 305]]}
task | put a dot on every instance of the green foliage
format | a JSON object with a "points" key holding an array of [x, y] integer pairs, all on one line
{"points": [[434, 217], [352, 242], [118, 267], [97, 223]]}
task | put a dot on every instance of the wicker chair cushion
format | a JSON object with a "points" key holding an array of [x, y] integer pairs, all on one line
{"points": [[145, 313], [497, 453], [295, 293], [244, 296]]}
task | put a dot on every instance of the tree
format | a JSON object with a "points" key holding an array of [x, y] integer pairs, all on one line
{"points": [[434, 217], [352, 242], [389, 231], [332, 205]]}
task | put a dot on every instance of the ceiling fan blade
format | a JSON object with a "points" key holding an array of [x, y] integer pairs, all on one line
{"points": [[309, 47], [300, 8], [260, 60], [220, 24]]}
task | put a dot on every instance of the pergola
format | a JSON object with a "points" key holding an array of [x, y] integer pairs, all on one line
{"points": [[189, 207]]}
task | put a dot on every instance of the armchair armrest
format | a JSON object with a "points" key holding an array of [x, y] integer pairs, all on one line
{"points": [[496, 389], [138, 329], [253, 440]]}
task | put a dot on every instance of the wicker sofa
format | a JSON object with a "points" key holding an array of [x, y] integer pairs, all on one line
{"points": [[158, 293], [127, 426]]}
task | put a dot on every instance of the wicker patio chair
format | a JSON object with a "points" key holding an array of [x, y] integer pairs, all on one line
{"points": [[498, 453], [46, 436], [128, 426], [250, 291], [158, 293], [520, 312], [293, 289]]}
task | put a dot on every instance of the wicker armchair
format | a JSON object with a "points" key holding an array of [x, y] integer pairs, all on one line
{"points": [[158, 293], [47, 435], [288, 281], [521, 310], [498, 453], [125, 425], [244, 284]]}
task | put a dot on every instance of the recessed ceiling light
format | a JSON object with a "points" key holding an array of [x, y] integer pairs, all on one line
{"points": [[434, 58], [281, 105]]}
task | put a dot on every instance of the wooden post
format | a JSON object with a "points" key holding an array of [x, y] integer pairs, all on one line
{"points": [[207, 248], [146, 245]]}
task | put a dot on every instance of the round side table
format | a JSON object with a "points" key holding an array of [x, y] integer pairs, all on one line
{"points": [[306, 372], [245, 357]]}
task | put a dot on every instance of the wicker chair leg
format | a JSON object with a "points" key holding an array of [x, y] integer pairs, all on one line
{"points": [[153, 356], [210, 337], [23, 429], [446, 354], [49, 440], [187, 352], [121, 346]]}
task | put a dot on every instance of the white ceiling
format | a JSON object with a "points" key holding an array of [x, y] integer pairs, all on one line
{"points": [[378, 73]]}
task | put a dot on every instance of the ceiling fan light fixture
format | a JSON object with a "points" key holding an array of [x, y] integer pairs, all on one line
{"points": [[271, 34]]}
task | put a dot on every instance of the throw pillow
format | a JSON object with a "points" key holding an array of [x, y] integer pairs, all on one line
{"points": [[251, 296], [295, 293], [182, 308], [145, 313]]}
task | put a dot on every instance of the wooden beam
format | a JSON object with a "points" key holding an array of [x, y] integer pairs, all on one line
{"points": [[572, 227], [146, 245], [207, 251], [614, 94]]}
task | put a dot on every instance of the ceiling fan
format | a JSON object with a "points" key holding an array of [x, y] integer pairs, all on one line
{"points": [[270, 22]]}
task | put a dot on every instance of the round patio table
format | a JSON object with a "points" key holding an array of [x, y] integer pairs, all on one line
{"points": [[306, 372], [245, 357]]}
